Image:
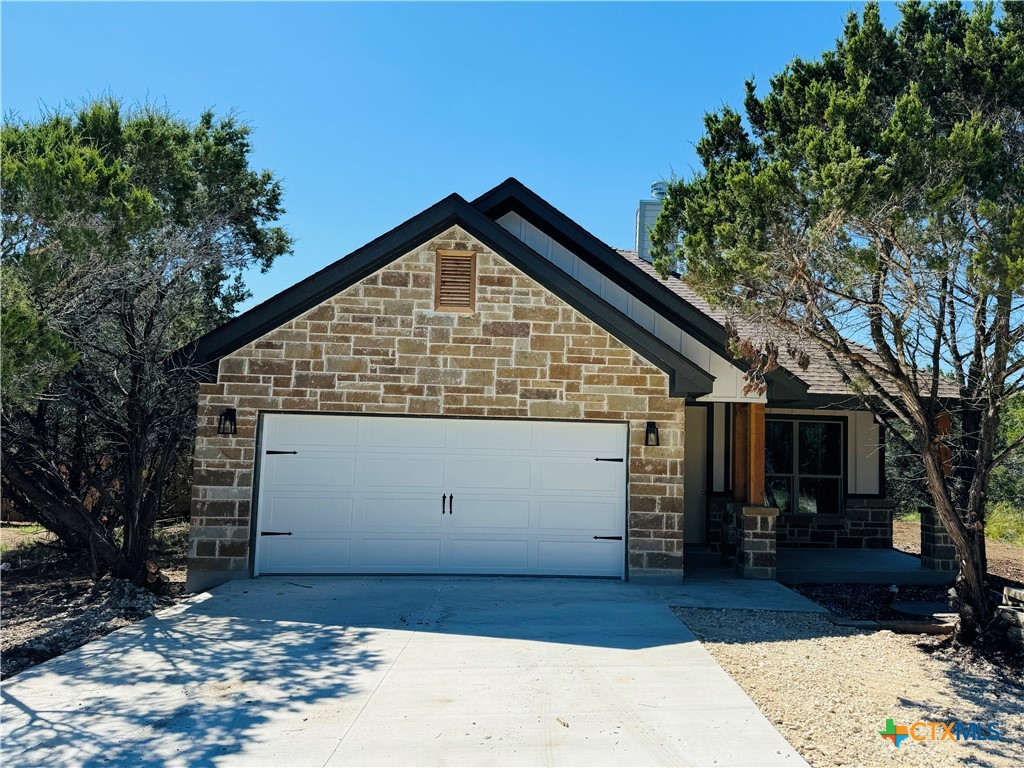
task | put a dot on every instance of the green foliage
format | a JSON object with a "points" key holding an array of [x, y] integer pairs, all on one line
{"points": [[1005, 523], [33, 352], [86, 189], [1008, 478], [870, 205], [927, 114], [126, 233]]}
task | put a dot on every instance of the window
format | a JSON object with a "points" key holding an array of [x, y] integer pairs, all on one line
{"points": [[804, 466], [455, 281]]}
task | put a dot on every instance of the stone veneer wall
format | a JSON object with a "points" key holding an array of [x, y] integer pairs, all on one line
{"points": [[865, 524], [379, 347], [937, 550]]}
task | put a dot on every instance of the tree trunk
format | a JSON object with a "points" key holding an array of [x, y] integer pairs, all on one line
{"points": [[971, 595]]}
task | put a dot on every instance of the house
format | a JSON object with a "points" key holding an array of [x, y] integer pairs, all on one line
{"points": [[489, 389]]}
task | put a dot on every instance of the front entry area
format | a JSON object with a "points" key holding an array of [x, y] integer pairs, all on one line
{"points": [[378, 494]]}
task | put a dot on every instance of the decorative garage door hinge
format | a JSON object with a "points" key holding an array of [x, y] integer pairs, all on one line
{"points": [[275, 533], [618, 460], [609, 538], [295, 452]]}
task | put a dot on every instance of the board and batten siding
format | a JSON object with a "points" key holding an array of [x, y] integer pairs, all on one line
{"points": [[729, 382]]}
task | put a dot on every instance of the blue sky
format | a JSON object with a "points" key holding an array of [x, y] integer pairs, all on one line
{"points": [[372, 112]]}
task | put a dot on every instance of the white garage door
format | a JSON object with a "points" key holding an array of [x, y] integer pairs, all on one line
{"points": [[365, 494]]}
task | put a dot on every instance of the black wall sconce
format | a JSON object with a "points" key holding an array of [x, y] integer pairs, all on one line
{"points": [[652, 434], [227, 424]]}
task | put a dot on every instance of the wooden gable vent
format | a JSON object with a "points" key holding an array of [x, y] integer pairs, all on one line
{"points": [[455, 281]]}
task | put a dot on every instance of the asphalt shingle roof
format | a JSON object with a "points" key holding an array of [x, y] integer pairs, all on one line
{"points": [[821, 376]]}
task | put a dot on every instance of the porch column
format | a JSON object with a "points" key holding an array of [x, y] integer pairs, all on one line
{"points": [[944, 426], [748, 453], [755, 455], [753, 524], [740, 452]]}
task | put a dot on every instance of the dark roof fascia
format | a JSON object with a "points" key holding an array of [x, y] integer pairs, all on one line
{"points": [[513, 196], [850, 402], [685, 376], [318, 287], [818, 401]]}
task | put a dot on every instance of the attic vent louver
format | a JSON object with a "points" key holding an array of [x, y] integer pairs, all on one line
{"points": [[455, 281]]}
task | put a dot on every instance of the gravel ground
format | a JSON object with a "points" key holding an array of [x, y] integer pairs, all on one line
{"points": [[829, 690], [50, 605]]}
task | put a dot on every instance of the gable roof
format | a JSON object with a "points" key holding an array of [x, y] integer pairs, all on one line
{"points": [[820, 376], [824, 380], [685, 377], [513, 196]]}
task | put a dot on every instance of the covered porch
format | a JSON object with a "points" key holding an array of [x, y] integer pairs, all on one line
{"points": [[762, 524], [855, 566], [825, 566]]}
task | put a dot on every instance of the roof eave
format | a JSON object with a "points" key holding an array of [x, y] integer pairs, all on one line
{"points": [[513, 196], [685, 377]]}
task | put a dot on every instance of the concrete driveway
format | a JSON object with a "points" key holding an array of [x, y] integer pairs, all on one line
{"points": [[393, 671]]}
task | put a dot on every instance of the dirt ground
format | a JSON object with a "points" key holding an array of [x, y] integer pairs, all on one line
{"points": [[1004, 560], [829, 690], [49, 605]]}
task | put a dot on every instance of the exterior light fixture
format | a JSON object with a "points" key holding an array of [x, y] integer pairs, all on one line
{"points": [[227, 424], [652, 434]]}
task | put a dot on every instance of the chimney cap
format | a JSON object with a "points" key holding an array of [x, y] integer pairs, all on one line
{"points": [[659, 190]]}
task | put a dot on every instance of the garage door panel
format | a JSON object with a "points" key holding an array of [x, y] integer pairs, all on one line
{"points": [[494, 555], [590, 558], [484, 435], [502, 475], [305, 514], [280, 554], [304, 471], [594, 517], [401, 472], [292, 431], [400, 513], [399, 553], [591, 439], [477, 512], [401, 433], [580, 476], [528, 496]]}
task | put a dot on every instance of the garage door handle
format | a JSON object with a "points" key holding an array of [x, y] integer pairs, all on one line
{"points": [[451, 503], [618, 460], [275, 533], [442, 505], [609, 538], [272, 453]]}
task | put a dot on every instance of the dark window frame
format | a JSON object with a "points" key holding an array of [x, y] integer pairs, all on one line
{"points": [[795, 475]]}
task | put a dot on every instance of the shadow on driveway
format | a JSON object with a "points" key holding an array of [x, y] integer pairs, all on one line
{"points": [[335, 671]]}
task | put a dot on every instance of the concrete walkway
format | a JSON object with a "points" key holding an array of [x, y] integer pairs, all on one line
{"points": [[393, 671], [738, 594]]}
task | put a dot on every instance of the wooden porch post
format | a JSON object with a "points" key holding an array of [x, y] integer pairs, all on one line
{"points": [[944, 426], [748, 453], [755, 454], [740, 462], [752, 535]]}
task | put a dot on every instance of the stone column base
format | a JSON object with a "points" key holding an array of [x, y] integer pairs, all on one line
{"points": [[755, 542], [937, 550]]}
